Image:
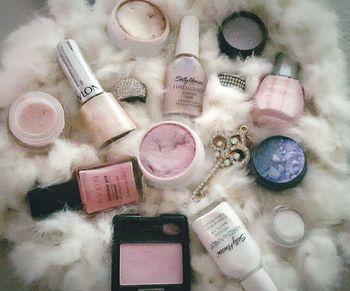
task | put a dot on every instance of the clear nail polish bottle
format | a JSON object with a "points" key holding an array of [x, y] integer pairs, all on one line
{"points": [[185, 78]]}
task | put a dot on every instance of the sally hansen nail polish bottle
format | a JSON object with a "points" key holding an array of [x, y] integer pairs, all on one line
{"points": [[279, 100], [185, 77], [102, 114], [93, 189]]}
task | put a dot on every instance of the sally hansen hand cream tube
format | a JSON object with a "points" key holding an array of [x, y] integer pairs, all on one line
{"points": [[231, 246]]}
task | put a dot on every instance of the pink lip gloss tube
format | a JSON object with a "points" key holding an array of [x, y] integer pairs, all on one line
{"points": [[101, 112], [279, 100], [94, 189]]}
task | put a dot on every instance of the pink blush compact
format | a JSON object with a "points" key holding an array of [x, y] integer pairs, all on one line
{"points": [[36, 119], [170, 154], [150, 253]]}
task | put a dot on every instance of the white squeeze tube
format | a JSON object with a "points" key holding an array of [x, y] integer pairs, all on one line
{"points": [[231, 246]]}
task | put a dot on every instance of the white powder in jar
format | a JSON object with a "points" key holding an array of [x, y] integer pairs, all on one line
{"points": [[141, 20], [288, 226]]}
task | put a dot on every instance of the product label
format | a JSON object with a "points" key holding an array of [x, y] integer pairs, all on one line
{"points": [[185, 86], [89, 91], [227, 240], [282, 94], [225, 235], [105, 118], [108, 187]]}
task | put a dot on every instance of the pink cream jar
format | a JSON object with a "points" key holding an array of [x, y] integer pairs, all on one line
{"points": [[170, 155]]}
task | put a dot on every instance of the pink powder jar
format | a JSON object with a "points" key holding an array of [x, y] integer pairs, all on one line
{"points": [[139, 26], [36, 119], [170, 155]]}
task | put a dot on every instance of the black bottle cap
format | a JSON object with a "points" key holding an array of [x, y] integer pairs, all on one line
{"points": [[254, 30], [45, 201]]}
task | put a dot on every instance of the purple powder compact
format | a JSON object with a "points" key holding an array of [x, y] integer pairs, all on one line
{"points": [[278, 163], [242, 34], [150, 253]]}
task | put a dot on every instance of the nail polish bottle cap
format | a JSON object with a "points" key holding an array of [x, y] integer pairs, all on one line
{"points": [[45, 201], [188, 39], [285, 66]]}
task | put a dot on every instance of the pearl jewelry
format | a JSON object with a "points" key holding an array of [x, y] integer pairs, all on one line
{"points": [[228, 151]]}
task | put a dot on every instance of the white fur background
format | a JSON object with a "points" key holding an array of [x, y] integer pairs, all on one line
{"points": [[70, 251]]}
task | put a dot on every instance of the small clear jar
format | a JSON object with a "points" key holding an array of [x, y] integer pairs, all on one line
{"points": [[35, 120], [287, 226]]}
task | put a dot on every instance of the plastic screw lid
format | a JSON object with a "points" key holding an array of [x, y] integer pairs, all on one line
{"points": [[259, 281]]}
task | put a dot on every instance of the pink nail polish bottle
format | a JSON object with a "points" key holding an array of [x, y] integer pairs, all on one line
{"points": [[185, 78], [93, 189], [279, 100]]}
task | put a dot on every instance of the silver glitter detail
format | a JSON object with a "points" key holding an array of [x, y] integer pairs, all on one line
{"points": [[130, 89], [227, 80]]}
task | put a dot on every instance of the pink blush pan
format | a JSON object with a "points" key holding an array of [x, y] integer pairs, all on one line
{"points": [[151, 263], [150, 253]]}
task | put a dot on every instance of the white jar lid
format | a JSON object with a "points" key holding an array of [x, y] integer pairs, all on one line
{"points": [[134, 33]]}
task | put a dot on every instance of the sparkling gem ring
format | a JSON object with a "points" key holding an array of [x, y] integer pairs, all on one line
{"points": [[130, 90]]}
